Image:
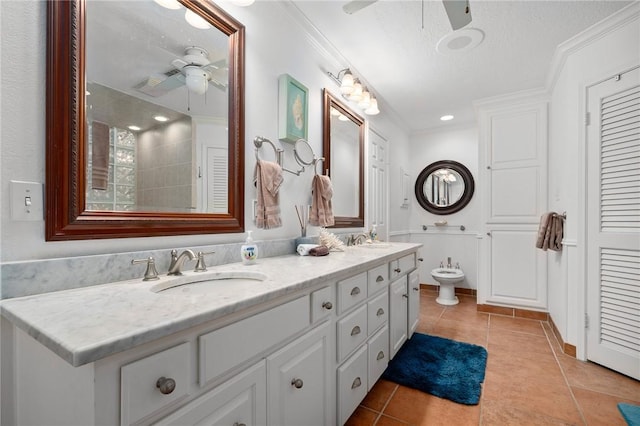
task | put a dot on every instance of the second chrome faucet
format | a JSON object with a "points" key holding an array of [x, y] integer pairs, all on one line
{"points": [[175, 267]]}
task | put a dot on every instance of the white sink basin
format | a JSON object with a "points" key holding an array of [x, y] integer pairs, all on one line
{"points": [[194, 284]]}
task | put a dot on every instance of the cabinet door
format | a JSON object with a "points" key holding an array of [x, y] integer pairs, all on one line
{"points": [[398, 314], [300, 381], [414, 302], [240, 401]]}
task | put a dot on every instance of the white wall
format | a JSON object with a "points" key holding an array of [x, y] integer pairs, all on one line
{"points": [[271, 50], [601, 52], [461, 145]]}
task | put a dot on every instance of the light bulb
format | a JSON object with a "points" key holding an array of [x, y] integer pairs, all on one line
{"points": [[356, 95], [373, 107], [346, 86], [196, 20], [197, 79], [365, 102]]}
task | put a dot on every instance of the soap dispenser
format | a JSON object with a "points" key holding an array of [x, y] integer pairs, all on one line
{"points": [[249, 250]]}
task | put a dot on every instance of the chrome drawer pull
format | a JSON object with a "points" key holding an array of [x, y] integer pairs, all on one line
{"points": [[297, 383], [355, 291], [398, 270], [327, 305], [420, 259], [405, 296], [355, 330], [380, 312], [379, 279], [356, 383], [380, 355], [166, 385], [416, 289]]}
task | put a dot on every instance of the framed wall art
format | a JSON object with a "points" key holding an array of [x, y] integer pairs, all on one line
{"points": [[293, 109]]}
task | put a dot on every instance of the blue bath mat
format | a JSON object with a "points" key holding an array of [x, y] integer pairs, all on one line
{"points": [[440, 367], [631, 413]]}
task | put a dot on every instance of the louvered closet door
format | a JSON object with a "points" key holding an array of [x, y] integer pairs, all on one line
{"points": [[613, 224], [217, 180]]}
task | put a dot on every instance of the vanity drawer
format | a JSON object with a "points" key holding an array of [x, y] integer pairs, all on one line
{"points": [[230, 346], [139, 381], [352, 384], [401, 266], [323, 303], [352, 291], [351, 331], [378, 311], [378, 355], [378, 278]]}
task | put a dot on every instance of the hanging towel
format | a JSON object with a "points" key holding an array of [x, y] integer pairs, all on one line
{"points": [[550, 232], [99, 155], [321, 213], [268, 177]]}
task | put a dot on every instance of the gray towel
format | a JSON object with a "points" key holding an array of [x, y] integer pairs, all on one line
{"points": [[550, 232]]}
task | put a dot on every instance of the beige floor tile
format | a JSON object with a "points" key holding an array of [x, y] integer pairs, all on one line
{"points": [[499, 413], [545, 371], [599, 409], [389, 421], [521, 325], [419, 408], [378, 396], [454, 330], [526, 346], [362, 417]]}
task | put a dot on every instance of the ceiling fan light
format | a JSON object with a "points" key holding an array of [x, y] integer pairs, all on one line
{"points": [[197, 80], [196, 20], [343, 117], [346, 85], [373, 107], [356, 95], [365, 102], [334, 112]]}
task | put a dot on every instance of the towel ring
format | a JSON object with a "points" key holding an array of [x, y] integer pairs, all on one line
{"points": [[259, 140], [315, 164]]}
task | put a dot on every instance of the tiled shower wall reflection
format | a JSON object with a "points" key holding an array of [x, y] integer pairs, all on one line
{"points": [[120, 194]]}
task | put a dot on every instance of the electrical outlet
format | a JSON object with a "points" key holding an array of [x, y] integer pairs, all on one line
{"points": [[27, 201]]}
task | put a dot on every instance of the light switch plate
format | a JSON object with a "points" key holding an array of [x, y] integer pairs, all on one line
{"points": [[27, 201]]}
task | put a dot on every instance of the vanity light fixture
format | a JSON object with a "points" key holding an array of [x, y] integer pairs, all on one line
{"points": [[196, 21], [446, 117], [160, 118], [351, 89]]}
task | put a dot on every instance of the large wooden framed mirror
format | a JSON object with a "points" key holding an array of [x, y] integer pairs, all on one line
{"points": [[343, 146], [114, 70]]}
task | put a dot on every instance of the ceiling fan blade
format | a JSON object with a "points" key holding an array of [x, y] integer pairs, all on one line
{"points": [[179, 63], [356, 5], [458, 12]]}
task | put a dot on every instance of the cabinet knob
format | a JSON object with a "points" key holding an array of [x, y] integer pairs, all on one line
{"points": [[380, 355], [355, 331], [166, 385], [327, 305], [406, 296], [488, 167], [416, 289], [420, 259], [297, 383], [488, 234], [380, 312], [356, 383], [355, 291], [398, 270], [379, 279]]}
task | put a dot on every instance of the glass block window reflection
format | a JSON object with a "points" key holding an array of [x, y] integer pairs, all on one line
{"points": [[120, 194]]}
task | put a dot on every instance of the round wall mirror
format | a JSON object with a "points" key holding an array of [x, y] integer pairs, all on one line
{"points": [[444, 187]]}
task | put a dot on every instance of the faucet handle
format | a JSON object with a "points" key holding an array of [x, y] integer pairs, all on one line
{"points": [[200, 265], [151, 273]]}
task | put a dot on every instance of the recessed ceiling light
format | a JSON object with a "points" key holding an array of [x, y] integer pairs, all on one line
{"points": [[462, 40], [446, 117], [160, 118], [134, 128]]}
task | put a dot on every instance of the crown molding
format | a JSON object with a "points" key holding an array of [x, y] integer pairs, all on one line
{"points": [[522, 97], [588, 36]]}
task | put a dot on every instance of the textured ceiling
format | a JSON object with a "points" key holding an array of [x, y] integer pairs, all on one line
{"points": [[392, 44]]}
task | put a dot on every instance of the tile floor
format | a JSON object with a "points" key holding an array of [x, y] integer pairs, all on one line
{"points": [[529, 381]]}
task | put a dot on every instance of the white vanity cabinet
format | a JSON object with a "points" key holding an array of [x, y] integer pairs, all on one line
{"points": [[306, 357]]}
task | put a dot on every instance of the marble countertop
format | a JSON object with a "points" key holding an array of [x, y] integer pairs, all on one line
{"points": [[87, 324]]}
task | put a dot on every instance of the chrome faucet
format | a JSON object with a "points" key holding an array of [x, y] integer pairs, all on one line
{"points": [[177, 261], [449, 262], [353, 240]]}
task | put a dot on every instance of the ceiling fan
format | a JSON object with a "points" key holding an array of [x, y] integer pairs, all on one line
{"points": [[458, 11], [194, 70]]}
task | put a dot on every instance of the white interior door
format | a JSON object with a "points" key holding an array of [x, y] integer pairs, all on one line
{"points": [[378, 184], [613, 224]]}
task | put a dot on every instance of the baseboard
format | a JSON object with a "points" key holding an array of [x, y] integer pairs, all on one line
{"points": [[566, 347], [513, 312], [459, 290]]}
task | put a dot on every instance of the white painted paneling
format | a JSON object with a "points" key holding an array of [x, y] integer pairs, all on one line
{"points": [[515, 194], [514, 137]]}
